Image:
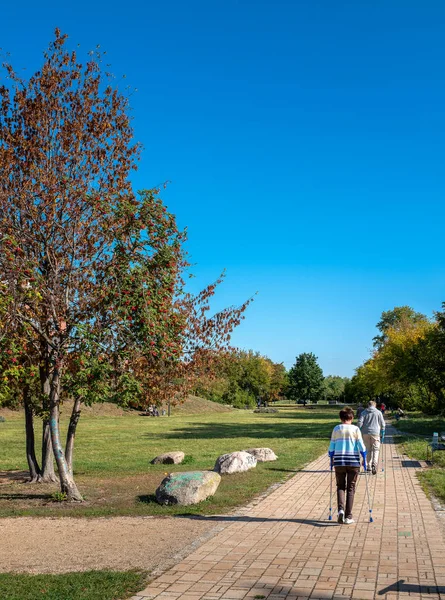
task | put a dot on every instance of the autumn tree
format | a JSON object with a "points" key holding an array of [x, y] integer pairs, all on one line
{"points": [[428, 355], [92, 275], [66, 152], [398, 316], [400, 370], [278, 382]]}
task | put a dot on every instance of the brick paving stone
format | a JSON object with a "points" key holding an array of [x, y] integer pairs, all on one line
{"points": [[285, 548]]}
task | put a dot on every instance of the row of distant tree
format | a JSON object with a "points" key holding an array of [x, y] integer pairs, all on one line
{"points": [[244, 379], [406, 368]]}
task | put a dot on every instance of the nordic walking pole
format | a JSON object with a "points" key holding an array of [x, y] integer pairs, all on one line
{"points": [[383, 451], [371, 520], [330, 492]]}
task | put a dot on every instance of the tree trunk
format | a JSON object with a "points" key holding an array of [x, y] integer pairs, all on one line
{"points": [[48, 474], [34, 469], [67, 483], [75, 416]]}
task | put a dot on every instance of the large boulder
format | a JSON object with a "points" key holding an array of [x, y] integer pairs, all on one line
{"points": [[187, 488], [262, 454], [235, 462], [169, 458]]}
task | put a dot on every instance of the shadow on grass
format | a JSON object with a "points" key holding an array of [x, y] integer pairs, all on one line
{"points": [[13, 476], [303, 416], [248, 430], [147, 499], [13, 496]]}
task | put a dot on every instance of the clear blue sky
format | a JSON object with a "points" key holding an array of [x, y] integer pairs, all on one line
{"points": [[304, 142]]}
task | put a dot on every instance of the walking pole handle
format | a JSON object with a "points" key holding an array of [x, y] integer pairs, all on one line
{"points": [[364, 460]]}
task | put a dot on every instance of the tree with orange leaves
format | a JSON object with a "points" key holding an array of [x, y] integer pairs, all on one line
{"points": [[91, 274]]}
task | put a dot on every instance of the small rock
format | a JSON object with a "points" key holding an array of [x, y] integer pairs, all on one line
{"points": [[262, 454], [169, 458], [235, 462], [187, 488]]}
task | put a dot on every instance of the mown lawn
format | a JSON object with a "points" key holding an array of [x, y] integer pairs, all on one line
{"points": [[433, 479], [113, 453], [90, 585]]}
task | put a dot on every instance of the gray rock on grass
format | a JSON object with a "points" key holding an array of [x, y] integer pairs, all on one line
{"points": [[235, 462], [262, 454], [169, 458], [187, 488]]}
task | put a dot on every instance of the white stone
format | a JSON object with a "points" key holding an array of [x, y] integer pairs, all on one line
{"points": [[235, 462], [262, 454]]}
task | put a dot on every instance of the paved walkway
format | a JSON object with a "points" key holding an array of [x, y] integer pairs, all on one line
{"points": [[285, 548]]}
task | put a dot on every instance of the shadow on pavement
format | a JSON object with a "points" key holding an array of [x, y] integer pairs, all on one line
{"points": [[246, 519], [412, 588]]}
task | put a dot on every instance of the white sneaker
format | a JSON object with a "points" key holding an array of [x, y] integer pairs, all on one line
{"points": [[349, 521], [341, 516]]}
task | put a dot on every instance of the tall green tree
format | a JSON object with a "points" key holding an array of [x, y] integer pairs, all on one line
{"points": [[306, 379]]}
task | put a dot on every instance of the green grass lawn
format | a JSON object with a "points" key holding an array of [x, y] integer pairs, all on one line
{"points": [[421, 425], [91, 585], [113, 453], [433, 479]]}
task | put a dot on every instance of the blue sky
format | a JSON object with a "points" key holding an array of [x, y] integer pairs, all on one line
{"points": [[304, 142]]}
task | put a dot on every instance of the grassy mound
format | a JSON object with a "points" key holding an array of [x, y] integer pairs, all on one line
{"points": [[192, 406], [195, 406]]}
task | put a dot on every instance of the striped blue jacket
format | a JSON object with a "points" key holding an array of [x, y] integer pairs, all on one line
{"points": [[346, 446]]}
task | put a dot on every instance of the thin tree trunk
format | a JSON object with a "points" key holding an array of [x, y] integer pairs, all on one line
{"points": [[67, 483], [34, 469], [69, 448], [48, 474]]}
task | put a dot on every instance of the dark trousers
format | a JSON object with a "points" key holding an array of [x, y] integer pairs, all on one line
{"points": [[346, 479]]}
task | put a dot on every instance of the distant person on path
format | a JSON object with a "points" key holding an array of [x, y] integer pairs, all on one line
{"points": [[383, 408], [344, 451], [359, 410], [372, 425], [399, 414]]}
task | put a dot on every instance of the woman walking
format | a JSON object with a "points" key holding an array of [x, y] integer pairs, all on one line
{"points": [[344, 451]]}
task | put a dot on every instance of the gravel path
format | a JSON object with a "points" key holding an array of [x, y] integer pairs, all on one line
{"points": [[48, 545]]}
